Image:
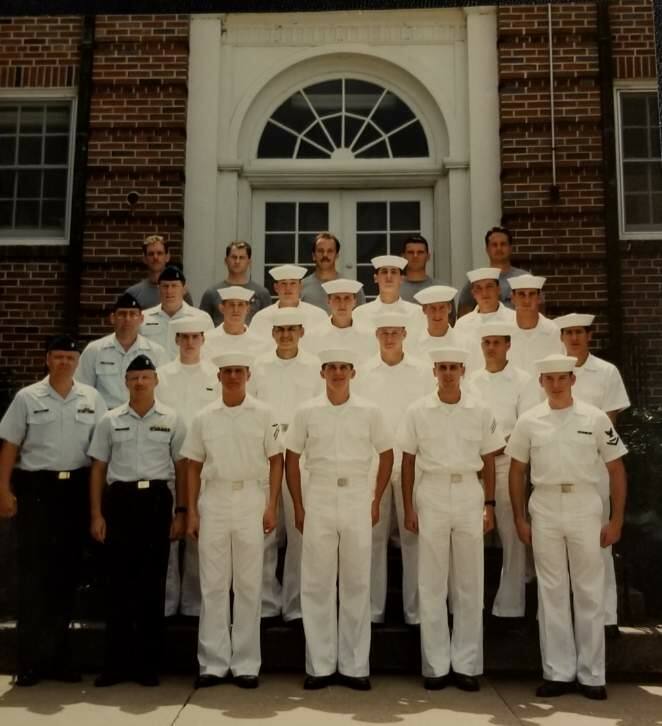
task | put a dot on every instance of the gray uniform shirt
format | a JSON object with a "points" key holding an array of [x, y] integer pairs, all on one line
{"points": [[53, 433], [465, 298], [313, 293], [147, 293], [211, 299], [409, 288]]}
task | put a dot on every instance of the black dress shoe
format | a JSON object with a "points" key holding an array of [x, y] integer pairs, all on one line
{"points": [[27, 678], [466, 683], [109, 678], [612, 632], [436, 683], [357, 683], [552, 689], [246, 681], [314, 683], [148, 679], [595, 693], [207, 680]]}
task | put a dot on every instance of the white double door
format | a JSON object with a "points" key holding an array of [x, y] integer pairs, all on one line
{"points": [[367, 223]]}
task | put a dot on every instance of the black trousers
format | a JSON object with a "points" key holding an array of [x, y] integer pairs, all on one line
{"points": [[137, 548], [52, 523]]}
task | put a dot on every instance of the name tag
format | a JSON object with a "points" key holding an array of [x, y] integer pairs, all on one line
{"points": [[106, 362], [152, 323], [87, 409], [160, 428], [42, 410]]}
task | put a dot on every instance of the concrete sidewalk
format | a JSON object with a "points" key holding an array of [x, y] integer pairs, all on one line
{"points": [[281, 700]]}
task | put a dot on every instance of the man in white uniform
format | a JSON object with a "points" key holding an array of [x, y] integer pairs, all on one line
{"points": [[187, 384], [231, 444], [437, 304], [288, 286], [156, 325], [233, 335], [599, 383], [392, 380], [568, 443], [284, 379], [339, 330], [450, 436], [489, 309], [104, 361], [534, 336], [338, 434], [508, 391]]}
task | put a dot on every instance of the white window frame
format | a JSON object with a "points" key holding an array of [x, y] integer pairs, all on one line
{"points": [[620, 88], [46, 95]]}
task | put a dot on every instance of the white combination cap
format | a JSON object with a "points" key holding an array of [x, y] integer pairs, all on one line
{"points": [[488, 329], [483, 273], [288, 272], [390, 320], [341, 286], [574, 320], [287, 316], [556, 363], [337, 355], [448, 355], [231, 360], [235, 292], [389, 261], [526, 282], [191, 324], [435, 294]]}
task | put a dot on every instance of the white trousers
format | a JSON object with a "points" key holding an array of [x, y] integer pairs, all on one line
{"points": [[566, 551], [450, 541], [337, 540], [231, 547], [510, 600], [611, 592], [271, 588], [381, 533], [409, 553], [291, 590], [183, 583]]}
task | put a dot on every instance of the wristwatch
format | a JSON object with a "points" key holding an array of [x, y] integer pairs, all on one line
{"points": [[490, 502]]}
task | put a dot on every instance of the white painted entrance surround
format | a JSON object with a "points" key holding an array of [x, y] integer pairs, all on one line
{"points": [[442, 63]]}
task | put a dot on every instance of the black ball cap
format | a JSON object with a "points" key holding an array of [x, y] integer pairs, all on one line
{"points": [[62, 342], [171, 274], [126, 301], [141, 363]]}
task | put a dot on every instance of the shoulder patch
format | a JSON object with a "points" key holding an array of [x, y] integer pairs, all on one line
{"points": [[612, 438]]}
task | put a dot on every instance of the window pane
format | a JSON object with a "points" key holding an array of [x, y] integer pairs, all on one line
{"points": [[6, 214], [8, 119], [7, 183], [280, 216], [369, 133], [405, 216], [409, 142], [7, 149], [371, 216], [634, 109], [352, 127], [655, 141], [55, 183], [366, 275], [56, 150], [295, 113], [325, 97], [279, 248], [27, 214], [391, 113], [308, 151], [635, 177], [32, 119], [637, 209], [657, 209], [656, 175], [316, 134], [376, 151], [57, 119], [29, 184], [313, 216], [52, 214], [305, 245], [361, 96], [276, 143], [370, 245], [635, 144], [334, 127], [29, 150]]}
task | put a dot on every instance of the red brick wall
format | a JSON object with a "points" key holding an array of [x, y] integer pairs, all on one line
{"points": [[564, 239]]}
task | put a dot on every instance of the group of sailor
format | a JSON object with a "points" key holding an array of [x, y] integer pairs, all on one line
{"points": [[330, 428]]}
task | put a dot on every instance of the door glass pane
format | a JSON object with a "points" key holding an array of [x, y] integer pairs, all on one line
{"points": [[366, 275], [371, 216], [279, 249], [370, 245], [313, 216], [405, 216], [7, 149], [280, 216]]}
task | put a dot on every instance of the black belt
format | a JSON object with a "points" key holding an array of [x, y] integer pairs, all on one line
{"points": [[140, 484], [60, 476]]}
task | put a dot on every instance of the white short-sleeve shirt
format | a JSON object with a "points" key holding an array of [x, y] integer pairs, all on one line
{"points": [[187, 388], [599, 383], [156, 325], [527, 345]]}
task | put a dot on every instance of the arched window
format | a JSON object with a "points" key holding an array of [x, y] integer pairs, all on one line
{"points": [[343, 119]]}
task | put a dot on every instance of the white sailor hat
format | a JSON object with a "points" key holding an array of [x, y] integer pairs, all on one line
{"points": [[337, 355], [287, 316], [488, 329], [390, 320], [389, 261], [230, 360], [448, 355], [556, 363], [574, 320], [483, 273], [191, 324], [235, 292], [333, 287], [526, 282], [288, 272], [435, 294]]}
